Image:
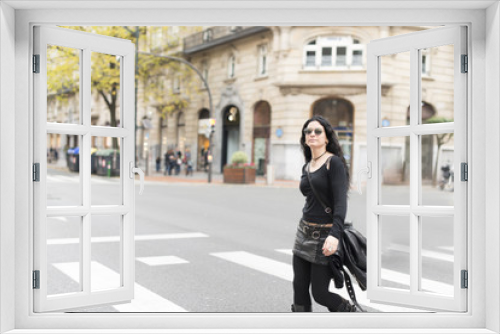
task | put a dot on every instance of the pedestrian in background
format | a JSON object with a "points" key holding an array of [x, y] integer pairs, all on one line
{"points": [[169, 162], [189, 164], [178, 163], [318, 234], [158, 164]]}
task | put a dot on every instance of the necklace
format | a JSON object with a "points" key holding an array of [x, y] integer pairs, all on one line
{"points": [[316, 159]]}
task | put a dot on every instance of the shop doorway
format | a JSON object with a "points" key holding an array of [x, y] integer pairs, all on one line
{"points": [[230, 133], [261, 134], [203, 141]]}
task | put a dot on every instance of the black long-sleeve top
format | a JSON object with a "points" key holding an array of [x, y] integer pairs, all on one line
{"points": [[331, 186]]}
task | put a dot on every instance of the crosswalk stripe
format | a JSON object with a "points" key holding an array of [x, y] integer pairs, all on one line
{"points": [[427, 284], [259, 263], [425, 253], [144, 301], [161, 260], [361, 295], [76, 179], [67, 241], [447, 248], [285, 251], [62, 179]]}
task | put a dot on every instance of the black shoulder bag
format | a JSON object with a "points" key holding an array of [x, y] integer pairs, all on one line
{"points": [[352, 249]]}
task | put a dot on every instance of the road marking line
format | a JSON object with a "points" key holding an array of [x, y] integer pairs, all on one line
{"points": [[62, 179], [285, 251], [161, 260], [427, 284], [67, 241], [403, 279], [259, 263], [425, 253], [447, 248], [145, 300], [285, 271]]}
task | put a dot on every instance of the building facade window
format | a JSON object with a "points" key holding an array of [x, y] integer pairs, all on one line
{"points": [[156, 38], [335, 52], [204, 73], [208, 35], [173, 36], [426, 64], [262, 60], [231, 67], [176, 84]]}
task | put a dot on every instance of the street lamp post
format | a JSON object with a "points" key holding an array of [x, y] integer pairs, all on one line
{"points": [[211, 111]]}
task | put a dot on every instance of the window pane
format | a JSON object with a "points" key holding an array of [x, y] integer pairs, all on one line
{"points": [[395, 89], [437, 255], [106, 169], [106, 94], [425, 62], [63, 85], [311, 58], [106, 251], [438, 86], [326, 57], [394, 249], [341, 59], [63, 170], [395, 170], [357, 58], [63, 255], [438, 175]]}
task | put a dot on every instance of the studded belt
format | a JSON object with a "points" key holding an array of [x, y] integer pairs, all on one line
{"points": [[313, 230]]}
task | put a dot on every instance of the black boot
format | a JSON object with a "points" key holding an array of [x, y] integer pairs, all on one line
{"points": [[345, 306], [301, 308]]}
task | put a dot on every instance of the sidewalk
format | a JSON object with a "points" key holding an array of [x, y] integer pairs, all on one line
{"points": [[199, 177]]}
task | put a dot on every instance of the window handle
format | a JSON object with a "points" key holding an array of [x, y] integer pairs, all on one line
{"points": [[135, 170], [368, 171]]}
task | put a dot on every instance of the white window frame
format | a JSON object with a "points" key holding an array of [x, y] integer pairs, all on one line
{"points": [[416, 210], [86, 43], [484, 211]]}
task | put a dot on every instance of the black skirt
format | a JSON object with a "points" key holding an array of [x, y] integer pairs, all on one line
{"points": [[309, 242]]}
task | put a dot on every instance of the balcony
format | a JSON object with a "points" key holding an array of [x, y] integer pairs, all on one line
{"points": [[216, 36]]}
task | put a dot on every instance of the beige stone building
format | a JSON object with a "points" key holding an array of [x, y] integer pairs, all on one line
{"points": [[266, 81]]}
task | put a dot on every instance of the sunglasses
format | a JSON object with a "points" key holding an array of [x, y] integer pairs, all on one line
{"points": [[317, 131]]}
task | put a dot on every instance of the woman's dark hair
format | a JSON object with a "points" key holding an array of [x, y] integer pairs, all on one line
{"points": [[333, 145]]}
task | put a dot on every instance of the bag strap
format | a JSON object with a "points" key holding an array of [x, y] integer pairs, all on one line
{"points": [[350, 290], [347, 278], [327, 208]]}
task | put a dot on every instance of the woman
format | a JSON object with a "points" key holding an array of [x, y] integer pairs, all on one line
{"points": [[318, 234]]}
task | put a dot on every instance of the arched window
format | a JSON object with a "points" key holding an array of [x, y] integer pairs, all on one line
{"points": [[340, 114], [334, 52]]}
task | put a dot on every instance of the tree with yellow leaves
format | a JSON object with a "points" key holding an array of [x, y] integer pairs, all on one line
{"points": [[155, 74]]}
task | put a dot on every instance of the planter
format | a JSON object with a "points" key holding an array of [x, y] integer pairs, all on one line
{"points": [[239, 175]]}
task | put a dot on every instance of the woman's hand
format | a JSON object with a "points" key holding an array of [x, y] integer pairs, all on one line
{"points": [[330, 245]]}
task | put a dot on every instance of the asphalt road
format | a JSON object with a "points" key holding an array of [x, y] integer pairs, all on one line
{"points": [[222, 248]]}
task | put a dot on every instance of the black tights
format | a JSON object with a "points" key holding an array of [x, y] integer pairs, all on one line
{"points": [[318, 277]]}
